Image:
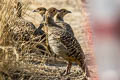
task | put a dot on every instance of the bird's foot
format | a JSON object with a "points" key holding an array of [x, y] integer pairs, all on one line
{"points": [[64, 73]]}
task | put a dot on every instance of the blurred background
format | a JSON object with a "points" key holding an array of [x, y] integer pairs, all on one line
{"points": [[104, 20]]}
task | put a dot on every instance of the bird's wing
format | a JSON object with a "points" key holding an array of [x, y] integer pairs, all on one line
{"points": [[72, 45], [66, 26], [69, 28], [75, 51], [39, 30]]}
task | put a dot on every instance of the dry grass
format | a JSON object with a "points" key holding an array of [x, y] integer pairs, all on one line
{"points": [[6, 17], [8, 53]]}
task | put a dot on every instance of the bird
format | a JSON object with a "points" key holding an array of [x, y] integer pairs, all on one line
{"points": [[60, 21], [39, 31], [64, 44], [22, 29], [41, 11]]}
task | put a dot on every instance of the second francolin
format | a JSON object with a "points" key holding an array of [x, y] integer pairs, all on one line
{"points": [[65, 44], [41, 11]]}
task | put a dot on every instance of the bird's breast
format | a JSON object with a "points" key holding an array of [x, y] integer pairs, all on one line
{"points": [[56, 45]]}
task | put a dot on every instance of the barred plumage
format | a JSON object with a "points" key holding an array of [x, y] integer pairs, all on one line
{"points": [[64, 43], [19, 15], [21, 28]]}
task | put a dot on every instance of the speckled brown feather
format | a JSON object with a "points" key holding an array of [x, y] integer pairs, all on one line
{"points": [[65, 45]]}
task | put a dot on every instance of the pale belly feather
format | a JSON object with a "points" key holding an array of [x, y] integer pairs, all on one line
{"points": [[57, 46]]}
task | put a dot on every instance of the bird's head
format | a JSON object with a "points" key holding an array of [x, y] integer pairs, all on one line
{"points": [[40, 10], [63, 12], [51, 12]]}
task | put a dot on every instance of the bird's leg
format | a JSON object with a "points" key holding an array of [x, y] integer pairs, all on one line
{"points": [[67, 71], [68, 67], [85, 71]]}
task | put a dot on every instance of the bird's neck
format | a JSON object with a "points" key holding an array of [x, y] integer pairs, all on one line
{"points": [[49, 20], [59, 18], [50, 23], [43, 16]]}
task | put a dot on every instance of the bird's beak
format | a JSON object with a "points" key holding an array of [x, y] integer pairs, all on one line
{"points": [[35, 11], [69, 12]]}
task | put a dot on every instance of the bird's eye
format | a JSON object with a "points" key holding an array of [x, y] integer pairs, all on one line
{"points": [[64, 11], [53, 10]]}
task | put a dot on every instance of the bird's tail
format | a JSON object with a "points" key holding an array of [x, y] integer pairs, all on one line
{"points": [[84, 76], [85, 72]]}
